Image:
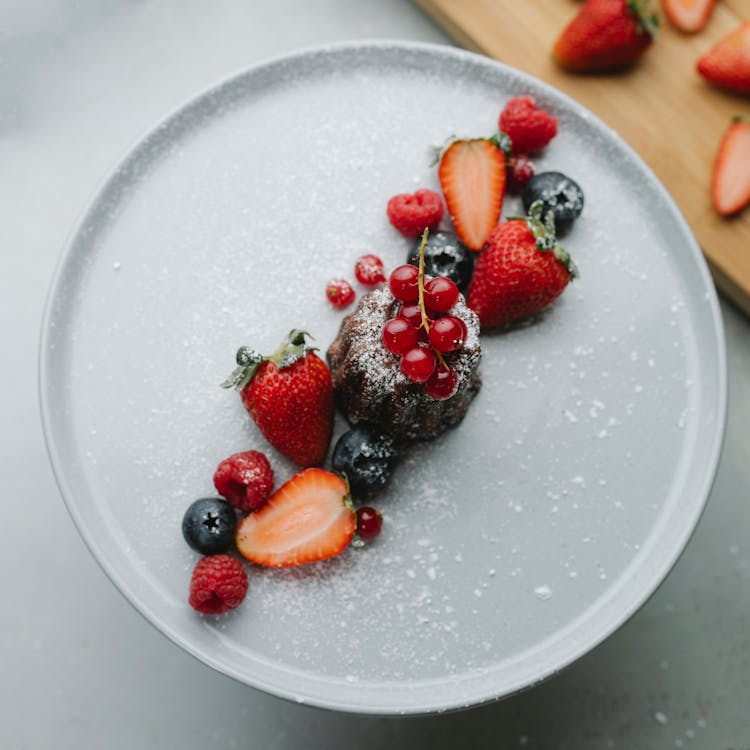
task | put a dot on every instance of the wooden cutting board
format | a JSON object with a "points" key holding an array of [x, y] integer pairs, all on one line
{"points": [[662, 107]]}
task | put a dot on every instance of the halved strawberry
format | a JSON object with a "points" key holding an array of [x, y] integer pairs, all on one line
{"points": [[727, 63], [309, 518], [688, 15], [472, 176], [730, 188]]}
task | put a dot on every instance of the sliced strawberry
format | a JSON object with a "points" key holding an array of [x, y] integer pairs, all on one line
{"points": [[309, 518], [730, 188], [472, 176], [688, 15], [727, 64]]}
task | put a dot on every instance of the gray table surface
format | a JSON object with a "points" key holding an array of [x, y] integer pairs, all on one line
{"points": [[80, 82]]}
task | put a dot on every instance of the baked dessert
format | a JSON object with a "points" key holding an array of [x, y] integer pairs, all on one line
{"points": [[370, 387]]}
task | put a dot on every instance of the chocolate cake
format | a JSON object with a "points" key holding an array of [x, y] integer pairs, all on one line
{"points": [[368, 383]]}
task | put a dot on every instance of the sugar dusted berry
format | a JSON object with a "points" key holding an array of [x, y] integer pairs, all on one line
{"points": [[418, 363], [411, 213], [218, 584], [369, 522], [208, 525], [368, 270], [340, 292], [399, 335], [446, 255], [366, 456], [530, 129], [245, 480], [442, 384], [440, 294], [448, 334], [403, 283], [521, 170]]}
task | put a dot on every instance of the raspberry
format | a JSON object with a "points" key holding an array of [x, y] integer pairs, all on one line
{"points": [[411, 213], [245, 480], [340, 292], [530, 129], [218, 584]]}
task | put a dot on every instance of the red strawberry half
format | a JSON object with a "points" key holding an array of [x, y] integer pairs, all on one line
{"points": [[472, 177], [521, 271], [606, 34], [309, 518], [727, 64], [730, 188], [289, 395], [688, 15]]}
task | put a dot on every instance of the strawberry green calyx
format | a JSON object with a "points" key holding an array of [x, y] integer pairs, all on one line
{"points": [[503, 142], [648, 21], [543, 230], [248, 360]]}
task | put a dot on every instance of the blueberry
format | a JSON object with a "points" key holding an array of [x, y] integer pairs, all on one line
{"points": [[446, 255], [559, 194], [209, 525], [366, 456]]}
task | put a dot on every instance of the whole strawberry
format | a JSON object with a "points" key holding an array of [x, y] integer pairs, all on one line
{"points": [[289, 395], [606, 34], [522, 270]]}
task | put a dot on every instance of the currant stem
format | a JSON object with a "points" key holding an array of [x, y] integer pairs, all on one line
{"points": [[420, 286]]}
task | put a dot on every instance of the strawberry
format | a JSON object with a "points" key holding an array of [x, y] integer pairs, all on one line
{"points": [[730, 187], [289, 395], [727, 64], [309, 518], [521, 270], [688, 15], [472, 176], [606, 34]]}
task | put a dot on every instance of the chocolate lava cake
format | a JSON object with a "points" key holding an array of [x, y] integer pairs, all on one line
{"points": [[368, 383]]}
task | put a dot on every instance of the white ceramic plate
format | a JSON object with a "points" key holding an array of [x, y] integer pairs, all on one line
{"points": [[513, 544]]}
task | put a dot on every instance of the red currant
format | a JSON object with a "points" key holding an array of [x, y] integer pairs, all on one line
{"points": [[398, 335], [448, 334], [369, 522], [442, 384], [521, 171], [418, 363], [412, 313], [340, 292], [403, 283], [369, 270], [440, 294]]}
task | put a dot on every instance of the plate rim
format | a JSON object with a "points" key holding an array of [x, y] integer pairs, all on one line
{"points": [[425, 705]]}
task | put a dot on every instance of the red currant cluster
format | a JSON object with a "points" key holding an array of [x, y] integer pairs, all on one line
{"points": [[421, 332]]}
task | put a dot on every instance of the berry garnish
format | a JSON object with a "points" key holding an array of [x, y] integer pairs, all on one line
{"points": [[440, 294], [558, 193], [369, 522], [209, 525], [448, 334], [366, 456], [368, 270], [412, 213], [245, 480], [218, 584], [521, 170], [411, 313], [442, 384], [399, 335], [530, 129], [340, 292], [418, 363], [309, 518], [403, 283], [446, 255], [730, 184]]}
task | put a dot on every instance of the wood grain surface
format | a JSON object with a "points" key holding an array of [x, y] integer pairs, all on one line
{"points": [[662, 107]]}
